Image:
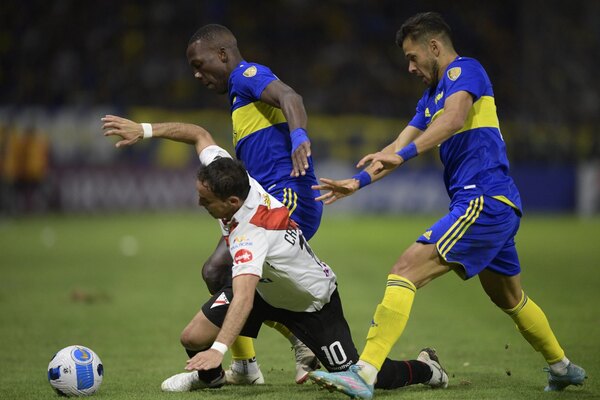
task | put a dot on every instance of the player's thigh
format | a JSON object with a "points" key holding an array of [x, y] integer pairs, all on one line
{"points": [[199, 333], [215, 311], [326, 333], [216, 271], [420, 264]]}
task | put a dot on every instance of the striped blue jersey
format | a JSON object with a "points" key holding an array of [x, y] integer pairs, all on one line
{"points": [[474, 158], [261, 135]]}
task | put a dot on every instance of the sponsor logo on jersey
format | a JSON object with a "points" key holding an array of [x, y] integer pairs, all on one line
{"points": [[240, 241], [454, 73], [250, 72], [427, 234], [220, 301], [439, 96], [427, 113], [242, 256], [374, 324]]}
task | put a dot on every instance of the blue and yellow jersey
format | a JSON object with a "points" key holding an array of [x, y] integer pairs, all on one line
{"points": [[474, 158], [261, 135]]}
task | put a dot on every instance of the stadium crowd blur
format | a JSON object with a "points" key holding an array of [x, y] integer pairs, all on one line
{"points": [[68, 59]]}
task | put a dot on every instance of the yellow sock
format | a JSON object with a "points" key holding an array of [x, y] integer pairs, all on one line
{"points": [[533, 325], [279, 328], [243, 348], [389, 320]]}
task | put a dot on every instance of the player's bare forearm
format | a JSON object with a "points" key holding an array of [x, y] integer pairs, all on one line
{"points": [[131, 132], [185, 133], [280, 95], [244, 288]]}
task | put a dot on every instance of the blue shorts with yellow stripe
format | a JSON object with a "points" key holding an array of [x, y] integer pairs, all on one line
{"points": [[477, 234], [300, 200]]}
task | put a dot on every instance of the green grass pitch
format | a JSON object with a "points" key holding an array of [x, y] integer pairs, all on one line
{"points": [[125, 285]]}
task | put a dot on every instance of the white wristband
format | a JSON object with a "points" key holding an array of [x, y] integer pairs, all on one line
{"points": [[220, 347], [147, 130]]}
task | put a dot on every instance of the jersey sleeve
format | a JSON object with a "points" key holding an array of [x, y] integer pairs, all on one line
{"points": [[211, 153], [468, 76], [419, 121], [253, 81], [248, 247]]}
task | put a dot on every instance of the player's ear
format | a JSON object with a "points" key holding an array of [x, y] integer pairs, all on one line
{"points": [[223, 56], [235, 201], [434, 47]]}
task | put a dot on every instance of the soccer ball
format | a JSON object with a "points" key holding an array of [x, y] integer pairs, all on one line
{"points": [[75, 371]]}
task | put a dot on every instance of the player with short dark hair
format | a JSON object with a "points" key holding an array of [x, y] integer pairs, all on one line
{"points": [[275, 276], [457, 113], [269, 135]]}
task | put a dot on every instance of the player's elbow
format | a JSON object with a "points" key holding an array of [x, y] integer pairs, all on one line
{"points": [[455, 122]]}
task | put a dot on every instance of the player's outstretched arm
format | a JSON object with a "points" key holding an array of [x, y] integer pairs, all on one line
{"points": [[280, 95], [132, 132]]}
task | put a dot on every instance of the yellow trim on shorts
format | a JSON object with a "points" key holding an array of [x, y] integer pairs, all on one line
{"points": [[458, 229], [290, 200]]}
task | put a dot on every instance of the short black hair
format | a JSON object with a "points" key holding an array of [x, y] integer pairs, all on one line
{"points": [[225, 177], [212, 33], [422, 26]]}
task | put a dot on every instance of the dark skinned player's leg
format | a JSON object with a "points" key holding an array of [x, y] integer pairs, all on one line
{"points": [[216, 271]]}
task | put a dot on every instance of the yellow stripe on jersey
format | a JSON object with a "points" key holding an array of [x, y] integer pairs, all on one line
{"points": [[458, 229], [481, 115], [254, 117]]}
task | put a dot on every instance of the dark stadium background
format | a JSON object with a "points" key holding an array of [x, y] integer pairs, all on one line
{"points": [[64, 64]]}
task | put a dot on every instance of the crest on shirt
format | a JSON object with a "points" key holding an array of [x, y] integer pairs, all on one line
{"points": [[250, 72], [220, 301], [453, 73], [242, 256]]}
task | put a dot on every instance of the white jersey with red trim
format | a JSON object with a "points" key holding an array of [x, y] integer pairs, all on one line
{"points": [[265, 242]]}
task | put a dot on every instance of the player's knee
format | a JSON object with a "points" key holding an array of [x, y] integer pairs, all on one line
{"points": [[216, 275], [189, 339]]}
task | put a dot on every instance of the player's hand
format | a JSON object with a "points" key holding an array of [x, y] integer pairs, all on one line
{"points": [[336, 189], [204, 360], [300, 159], [381, 161], [129, 131]]}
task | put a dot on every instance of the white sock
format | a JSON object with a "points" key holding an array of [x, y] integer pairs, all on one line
{"points": [[367, 371], [560, 368], [245, 367]]}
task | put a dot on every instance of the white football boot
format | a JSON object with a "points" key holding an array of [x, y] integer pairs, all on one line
{"points": [[189, 381], [244, 373], [439, 378]]}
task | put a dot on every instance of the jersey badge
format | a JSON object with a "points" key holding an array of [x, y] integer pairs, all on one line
{"points": [[242, 256], [453, 73], [250, 72], [220, 301]]}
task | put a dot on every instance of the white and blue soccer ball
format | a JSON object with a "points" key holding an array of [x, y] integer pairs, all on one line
{"points": [[75, 371]]}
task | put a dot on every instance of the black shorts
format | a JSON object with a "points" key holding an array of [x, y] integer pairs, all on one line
{"points": [[325, 332]]}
